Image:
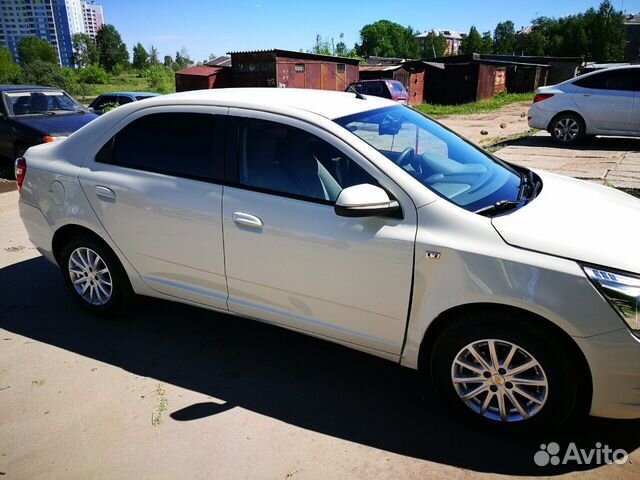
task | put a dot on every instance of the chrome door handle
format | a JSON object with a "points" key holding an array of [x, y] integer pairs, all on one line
{"points": [[104, 193], [247, 219]]}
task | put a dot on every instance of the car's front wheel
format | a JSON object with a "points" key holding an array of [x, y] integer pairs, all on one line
{"points": [[94, 276], [504, 373], [567, 129]]}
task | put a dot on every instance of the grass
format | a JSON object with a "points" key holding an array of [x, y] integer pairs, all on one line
{"points": [[491, 104], [129, 82]]}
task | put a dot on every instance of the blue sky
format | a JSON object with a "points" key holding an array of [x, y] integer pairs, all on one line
{"points": [[213, 26]]}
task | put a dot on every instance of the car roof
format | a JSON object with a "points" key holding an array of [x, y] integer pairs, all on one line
{"points": [[22, 88], [329, 104]]}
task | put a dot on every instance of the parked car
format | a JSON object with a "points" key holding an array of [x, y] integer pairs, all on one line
{"points": [[391, 89], [599, 103], [118, 98], [362, 222], [32, 115]]}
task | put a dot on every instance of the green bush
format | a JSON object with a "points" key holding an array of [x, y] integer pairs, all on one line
{"points": [[160, 78], [93, 74], [10, 72], [45, 74]]}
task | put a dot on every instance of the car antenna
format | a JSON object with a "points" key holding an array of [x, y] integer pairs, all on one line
{"points": [[359, 96]]}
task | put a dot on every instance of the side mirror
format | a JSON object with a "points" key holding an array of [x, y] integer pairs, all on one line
{"points": [[91, 109], [366, 200]]}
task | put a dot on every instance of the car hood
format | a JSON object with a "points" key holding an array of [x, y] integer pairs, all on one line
{"points": [[61, 124], [578, 220]]}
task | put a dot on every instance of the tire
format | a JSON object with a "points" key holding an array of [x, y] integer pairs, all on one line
{"points": [[554, 383], [106, 286], [567, 129]]}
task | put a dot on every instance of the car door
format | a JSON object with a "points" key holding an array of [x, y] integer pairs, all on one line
{"points": [[156, 187], [606, 100], [291, 260]]}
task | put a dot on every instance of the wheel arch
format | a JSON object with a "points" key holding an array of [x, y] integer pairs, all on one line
{"points": [[66, 232], [457, 314], [564, 112]]}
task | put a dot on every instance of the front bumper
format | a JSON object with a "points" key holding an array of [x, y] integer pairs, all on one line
{"points": [[614, 360]]}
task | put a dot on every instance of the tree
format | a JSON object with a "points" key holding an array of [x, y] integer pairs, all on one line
{"points": [[435, 45], [47, 74], [167, 61], [112, 49], [154, 58], [140, 57], [182, 60], [9, 70], [605, 31], [504, 38], [322, 47], [487, 43], [534, 43], [388, 39], [473, 42], [341, 48], [85, 52], [31, 49]]}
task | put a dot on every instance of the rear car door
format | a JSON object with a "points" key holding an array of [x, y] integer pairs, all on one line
{"points": [[7, 135], [155, 184], [290, 259], [607, 99]]}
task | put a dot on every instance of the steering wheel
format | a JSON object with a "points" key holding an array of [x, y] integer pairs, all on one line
{"points": [[406, 156]]}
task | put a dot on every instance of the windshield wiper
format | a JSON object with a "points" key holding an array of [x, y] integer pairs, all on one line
{"points": [[498, 207]]}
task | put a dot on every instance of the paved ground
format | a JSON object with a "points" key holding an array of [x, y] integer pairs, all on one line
{"points": [[176, 392], [508, 121]]}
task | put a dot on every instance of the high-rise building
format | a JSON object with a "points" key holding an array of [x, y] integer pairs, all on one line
{"points": [[55, 21], [93, 18]]}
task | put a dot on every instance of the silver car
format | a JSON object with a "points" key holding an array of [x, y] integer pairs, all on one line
{"points": [[362, 222]]}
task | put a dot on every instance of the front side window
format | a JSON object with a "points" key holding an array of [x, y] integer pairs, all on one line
{"points": [[123, 100], [189, 145], [436, 157], [38, 103], [283, 159]]}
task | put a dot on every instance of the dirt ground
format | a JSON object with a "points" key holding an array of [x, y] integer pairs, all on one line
{"points": [[172, 391]]}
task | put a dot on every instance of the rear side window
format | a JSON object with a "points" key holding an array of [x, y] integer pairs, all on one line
{"points": [[189, 145], [612, 80], [373, 89]]}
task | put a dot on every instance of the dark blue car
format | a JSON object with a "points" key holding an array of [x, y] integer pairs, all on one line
{"points": [[33, 115]]}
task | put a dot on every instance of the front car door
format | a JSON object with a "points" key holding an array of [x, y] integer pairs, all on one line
{"points": [[606, 100], [156, 186], [7, 135], [291, 260]]}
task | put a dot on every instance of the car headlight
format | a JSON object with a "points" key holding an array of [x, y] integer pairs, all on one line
{"points": [[621, 290]]}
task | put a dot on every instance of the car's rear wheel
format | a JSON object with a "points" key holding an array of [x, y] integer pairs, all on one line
{"points": [[567, 129], [94, 276], [504, 373]]}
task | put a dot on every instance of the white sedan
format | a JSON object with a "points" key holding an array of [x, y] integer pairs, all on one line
{"points": [[360, 221], [605, 102]]}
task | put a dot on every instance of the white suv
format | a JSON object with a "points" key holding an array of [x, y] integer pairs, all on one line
{"points": [[362, 222], [606, 102]]}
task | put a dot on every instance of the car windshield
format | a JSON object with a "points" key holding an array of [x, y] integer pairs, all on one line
{"points": [[40, 102], [436, 157]]}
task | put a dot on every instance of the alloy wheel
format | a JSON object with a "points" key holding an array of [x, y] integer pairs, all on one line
{"points": [[90, 276], [566, 129], [499, 380]]}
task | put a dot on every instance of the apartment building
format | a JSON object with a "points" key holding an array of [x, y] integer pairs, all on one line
{"points": [[55, 21], [454, 40], [93, 18]]}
